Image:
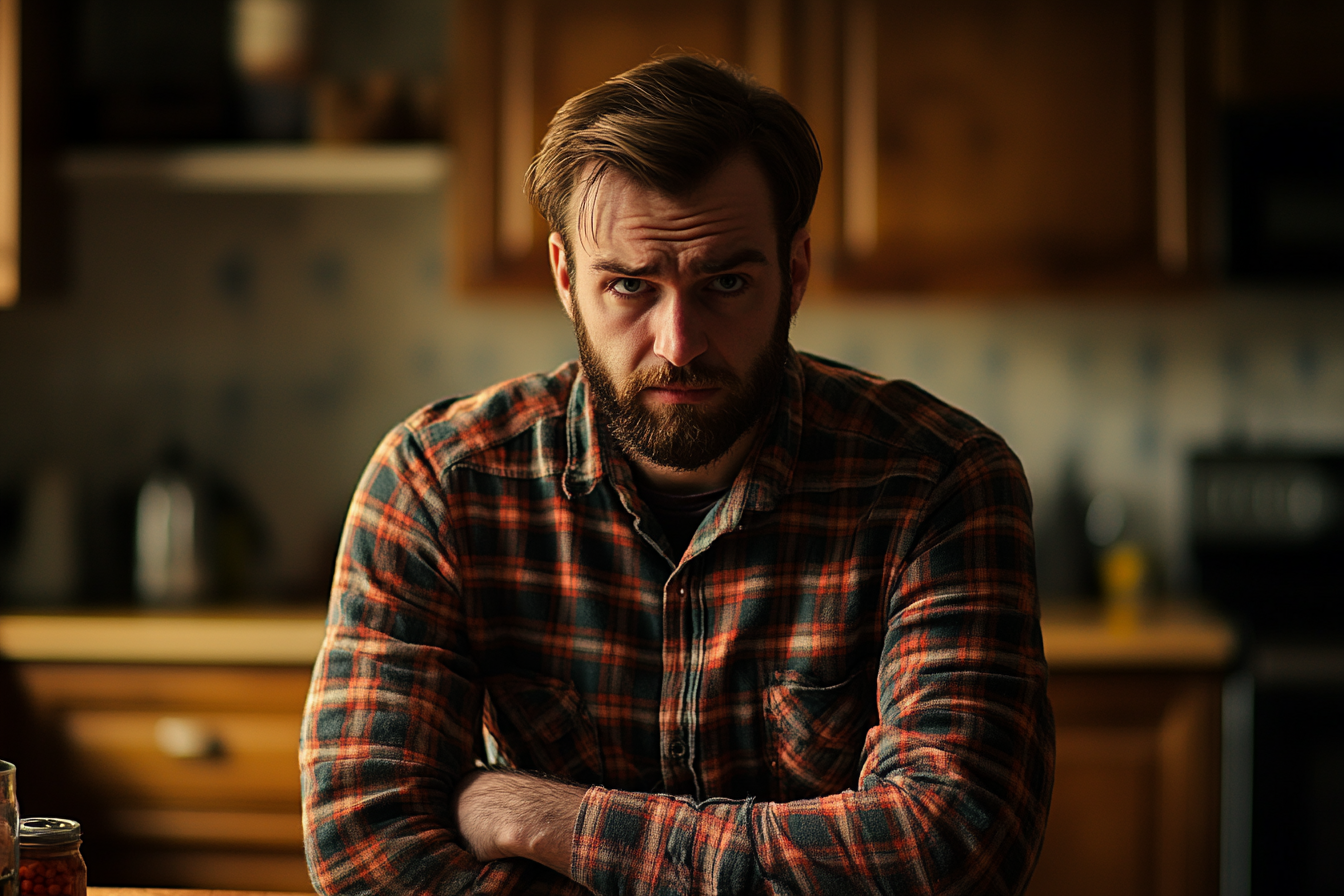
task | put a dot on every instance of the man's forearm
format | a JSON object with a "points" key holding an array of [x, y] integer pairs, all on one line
{"points": [[502, 814]]}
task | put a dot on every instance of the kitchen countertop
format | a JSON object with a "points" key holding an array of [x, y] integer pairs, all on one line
{"points": [[1076, 637], [1170, 635], [189, 638]]}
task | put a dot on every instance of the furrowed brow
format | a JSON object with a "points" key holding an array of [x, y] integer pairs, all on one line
{"points": [[615, 267]]}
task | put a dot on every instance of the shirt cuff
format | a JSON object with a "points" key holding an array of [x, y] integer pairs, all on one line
{"points": [[648, 843]]}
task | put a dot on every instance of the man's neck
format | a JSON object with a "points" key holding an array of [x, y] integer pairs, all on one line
{"points": [[718, 474]]}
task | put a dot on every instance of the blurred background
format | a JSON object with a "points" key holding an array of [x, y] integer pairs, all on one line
{"points": [[1015, 222], [244, 238]]}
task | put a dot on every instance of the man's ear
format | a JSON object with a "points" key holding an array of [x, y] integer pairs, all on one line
{"points": [[560, 272], [800, 267]]}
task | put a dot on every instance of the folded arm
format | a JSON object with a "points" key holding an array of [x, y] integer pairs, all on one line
{"points": [[951, 796]]}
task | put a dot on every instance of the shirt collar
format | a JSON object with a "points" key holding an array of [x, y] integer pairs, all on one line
{"points": [[765, 473]]}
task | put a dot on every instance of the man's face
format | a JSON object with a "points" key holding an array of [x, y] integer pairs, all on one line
{"points": [[681, 311]]}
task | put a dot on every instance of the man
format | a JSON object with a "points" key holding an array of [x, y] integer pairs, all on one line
{"points": [[698, 614]]}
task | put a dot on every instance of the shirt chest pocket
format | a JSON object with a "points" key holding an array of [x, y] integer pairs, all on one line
{"points": [[541, 724], [817, 732]]}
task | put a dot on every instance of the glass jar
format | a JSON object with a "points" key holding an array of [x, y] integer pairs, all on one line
{"points": [[9, 832], [50, 863]]}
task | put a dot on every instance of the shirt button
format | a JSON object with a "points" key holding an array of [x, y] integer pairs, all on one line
{"points": [[682, 590], [676, 749]]}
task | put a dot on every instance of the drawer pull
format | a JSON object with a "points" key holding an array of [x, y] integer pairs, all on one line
{"points": [[182, 738]]}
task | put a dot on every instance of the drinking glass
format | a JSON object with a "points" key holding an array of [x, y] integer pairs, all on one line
{"points": [[9, 832]]}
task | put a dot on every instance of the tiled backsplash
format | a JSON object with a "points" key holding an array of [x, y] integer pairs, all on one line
{"points": [[280, 336]]}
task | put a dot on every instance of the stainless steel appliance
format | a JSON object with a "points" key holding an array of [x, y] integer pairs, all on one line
{"points": [[1268, 538]]}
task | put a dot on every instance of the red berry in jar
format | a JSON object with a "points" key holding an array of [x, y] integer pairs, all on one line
{"points": [[50, 863]]}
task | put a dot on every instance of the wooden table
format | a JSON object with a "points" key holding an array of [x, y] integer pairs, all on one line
{"points": [[142, 891]]}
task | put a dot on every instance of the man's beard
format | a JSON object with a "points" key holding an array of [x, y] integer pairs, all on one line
{"points": [[684, 436]]}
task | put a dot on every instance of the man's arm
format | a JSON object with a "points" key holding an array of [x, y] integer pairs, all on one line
{"points": [[394, 711], [951, 796], [506, 814]]}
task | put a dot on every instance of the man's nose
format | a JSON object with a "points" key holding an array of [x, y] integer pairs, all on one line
{"points": [[679, 332]]}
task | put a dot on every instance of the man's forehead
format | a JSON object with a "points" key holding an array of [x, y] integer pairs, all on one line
{"points": [[727, 213]]}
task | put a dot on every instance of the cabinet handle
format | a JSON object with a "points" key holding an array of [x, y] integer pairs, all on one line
{"points": [[765, 42], [183, 738], [860, 221], [1173, 236], [516, 142]]}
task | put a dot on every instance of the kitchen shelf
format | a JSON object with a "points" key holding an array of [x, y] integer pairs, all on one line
{"points": [[269, 168]]}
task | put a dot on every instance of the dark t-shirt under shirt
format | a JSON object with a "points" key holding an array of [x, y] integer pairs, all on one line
{"points": [[679, 515]]}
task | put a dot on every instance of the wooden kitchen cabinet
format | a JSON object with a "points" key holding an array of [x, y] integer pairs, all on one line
{"points": [[517, 61], [188, 776], [981, 146], [33, 203], [1135, 805], [171, 737], [1135, 809], [968, 146], [174, 740]]}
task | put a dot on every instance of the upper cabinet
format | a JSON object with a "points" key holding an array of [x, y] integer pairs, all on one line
{"points": [[978, 145], [517, 61], [32, 203], [984, 145]]}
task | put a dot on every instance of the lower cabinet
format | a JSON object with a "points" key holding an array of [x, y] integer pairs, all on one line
{"points": [[188, 776], [181, 776], [1135, 805]]}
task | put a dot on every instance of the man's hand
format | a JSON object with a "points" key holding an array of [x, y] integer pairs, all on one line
{"points": [[504, 813]]}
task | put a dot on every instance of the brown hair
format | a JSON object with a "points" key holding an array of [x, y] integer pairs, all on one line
{"points": [[669, 124]]}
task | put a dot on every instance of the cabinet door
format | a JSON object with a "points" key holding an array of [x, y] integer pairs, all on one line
{"points": [[33, 202], [982, 145], [519, 60], [1135, 805], [184, 776]]}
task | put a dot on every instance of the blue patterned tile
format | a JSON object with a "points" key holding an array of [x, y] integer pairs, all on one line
{"points": [[1306, 362], [235, 277], [328, 274], [1151, 361]]}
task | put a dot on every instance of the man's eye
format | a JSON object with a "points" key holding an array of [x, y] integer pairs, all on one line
{"points": [[628, 286], [728, 283]]}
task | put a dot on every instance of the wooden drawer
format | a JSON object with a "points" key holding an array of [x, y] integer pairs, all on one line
{"points": [[192, 771], [184, 757]]}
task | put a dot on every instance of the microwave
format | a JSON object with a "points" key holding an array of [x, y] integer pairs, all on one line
{"points": [[1283, 168], [1267, 533]]}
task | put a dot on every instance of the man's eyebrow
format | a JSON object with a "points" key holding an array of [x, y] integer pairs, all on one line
{"points": [[615, 267]]}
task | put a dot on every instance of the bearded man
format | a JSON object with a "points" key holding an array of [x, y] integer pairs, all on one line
{"points": [[697, 614]]}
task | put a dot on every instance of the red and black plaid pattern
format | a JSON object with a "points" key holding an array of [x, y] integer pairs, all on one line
{"points": [[839, 687]]}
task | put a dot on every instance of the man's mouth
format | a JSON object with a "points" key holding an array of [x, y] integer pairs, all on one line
{"points": [[681, 394]]}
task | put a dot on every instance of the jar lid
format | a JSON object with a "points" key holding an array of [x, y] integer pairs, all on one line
{"points": [[47, 831]]}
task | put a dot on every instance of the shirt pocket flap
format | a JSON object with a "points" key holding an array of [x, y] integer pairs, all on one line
{"points": [[818, 731], [541, 724]]}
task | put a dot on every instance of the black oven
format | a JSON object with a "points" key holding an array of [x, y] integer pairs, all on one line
{"points": [[1268, 537]]}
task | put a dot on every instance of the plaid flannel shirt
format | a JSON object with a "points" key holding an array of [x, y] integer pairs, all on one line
{"points": [[838, 688]]}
